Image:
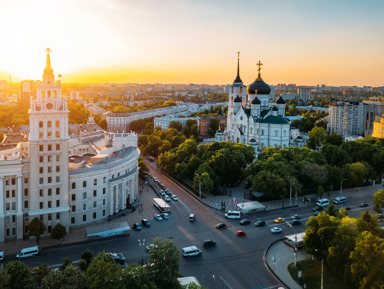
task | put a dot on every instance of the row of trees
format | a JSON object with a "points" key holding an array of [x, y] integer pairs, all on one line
{"points": [[350, 164], [160, 272], [352, 248], [37, 228]]}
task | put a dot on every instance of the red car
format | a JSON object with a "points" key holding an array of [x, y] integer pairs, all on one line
{"points": [[240, 233]]}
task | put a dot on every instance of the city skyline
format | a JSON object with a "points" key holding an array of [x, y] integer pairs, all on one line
{"points": [[302, 42]]}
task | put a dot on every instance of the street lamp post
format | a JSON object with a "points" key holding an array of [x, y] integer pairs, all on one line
{"points": [[341, 186], [142, 245], [322, 269]]}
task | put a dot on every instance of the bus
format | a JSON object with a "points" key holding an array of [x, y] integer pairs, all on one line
{"points": [[161, 205]]}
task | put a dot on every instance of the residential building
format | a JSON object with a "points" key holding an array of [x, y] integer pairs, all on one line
{"points": [[378, 127]]}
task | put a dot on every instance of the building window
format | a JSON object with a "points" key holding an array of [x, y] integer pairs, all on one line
{"points": [[41, 170], [84, 218], [84, 207], [49, 122], [41, 181], [13, 193], [49, 192], [7, 194], [41, 205], [25, 180], [7, 232], [104, 180], [26, 204], [49, 180], [13, 181], [73, 197], [49, 159], [74, 208], [73, 185], [103, 213], [49, 217], [95, 182], [104, 190], [41, 193], [94, 215], [49, 147], [25, 192], [73, 220], [57, 216], [84, 195], [49, 169], [41, 148], [57, 203], [41, 159], [94, 193], [57, 158], [57, 134], [40, 135], [57, 147], [57, 123], [57, 191], [57, 179], [7, 207], [94, 204], [84, 184], [103, 202], [49, 204], [40, 124], [13, 205], [49, 229], [49, 135], [57, 169]]}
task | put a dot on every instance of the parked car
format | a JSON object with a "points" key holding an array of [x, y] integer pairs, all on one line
{"points": [[245, 222], [146, 223], [158, 217], [279, 220], [276, 230], [260, 223], [118, 257], [240, 233], [168, 192], [209, 243], [221, 226], [318, 208], [137, 226], [162, 193], [175, 198]]}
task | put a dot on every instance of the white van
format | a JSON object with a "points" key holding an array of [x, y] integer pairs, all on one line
{"points": [[323, 202], [191, 251], [233, 215], [339, 200], [192, 217], [28, 252]]}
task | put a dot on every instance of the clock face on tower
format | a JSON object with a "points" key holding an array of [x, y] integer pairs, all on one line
{"points": [[49, 105]]}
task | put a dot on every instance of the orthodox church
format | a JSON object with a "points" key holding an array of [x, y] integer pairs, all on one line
{"points": [[254, 118]]}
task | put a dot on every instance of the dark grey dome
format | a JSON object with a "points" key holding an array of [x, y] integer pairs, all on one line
{"points": [[280, 100], [260, 86], [252, 141], [237, 99], [256, 101], [274, 108]]}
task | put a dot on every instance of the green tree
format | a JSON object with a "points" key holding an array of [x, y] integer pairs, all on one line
{"points": [[58, 232], [181, 170], [36, 228], [19, 276], [143, 168], [67, 261], [357, 174], [135, 276], [368, 261], [213, 126], [176, 124], [378, 201], [70, 278], [86, 259], [206, 183], [4, 279], [77, 113], [271, 185], [317, 136], [164, 260], [334, 139], [104, 272]]}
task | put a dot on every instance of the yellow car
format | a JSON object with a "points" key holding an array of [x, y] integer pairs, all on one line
{"points": [[279, 220]]}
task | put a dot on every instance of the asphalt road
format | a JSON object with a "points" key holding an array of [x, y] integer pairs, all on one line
{"points": [[236, 262]]}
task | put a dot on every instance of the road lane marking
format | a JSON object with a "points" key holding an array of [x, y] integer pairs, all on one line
{"points": [[225, 282]]}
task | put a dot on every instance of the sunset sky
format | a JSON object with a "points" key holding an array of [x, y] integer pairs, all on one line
{"points": [[306, 42]]}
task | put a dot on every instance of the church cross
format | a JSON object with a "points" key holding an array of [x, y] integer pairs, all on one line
{"points": [[259, 64]]}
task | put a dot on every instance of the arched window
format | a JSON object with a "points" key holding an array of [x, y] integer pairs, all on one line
{"points": [[57, 123], [104, 180], [262, 132], [284, 133], [73, 185], [84, 184], [49, 123], [95, 182], [41, 124], [276, 132], [49, 93]]}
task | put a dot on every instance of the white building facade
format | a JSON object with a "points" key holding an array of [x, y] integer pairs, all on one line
{"points": [[38, 180]]}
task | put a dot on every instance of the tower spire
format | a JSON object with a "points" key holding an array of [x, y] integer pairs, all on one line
{"points": [[238, 79], [48, 69]]}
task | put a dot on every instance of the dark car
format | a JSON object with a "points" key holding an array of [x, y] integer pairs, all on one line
{"points": [[118, 257], [260, 223], [295, 217], [137, 226], [245, 222], [146, 223], [209, 243], [221, 226], [363, 205], [295, 222], [318, 209]]}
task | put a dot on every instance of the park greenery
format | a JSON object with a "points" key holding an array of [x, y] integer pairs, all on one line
{"points": [[160, 271], [352, 248]]}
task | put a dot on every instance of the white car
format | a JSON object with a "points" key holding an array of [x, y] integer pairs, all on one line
{"points": [[175, 198], [276, 230], [158, 217], [339, 200], [165, 216], [167, 199]]}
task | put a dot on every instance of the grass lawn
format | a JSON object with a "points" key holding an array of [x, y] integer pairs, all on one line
{"points": [[311, 275]]}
